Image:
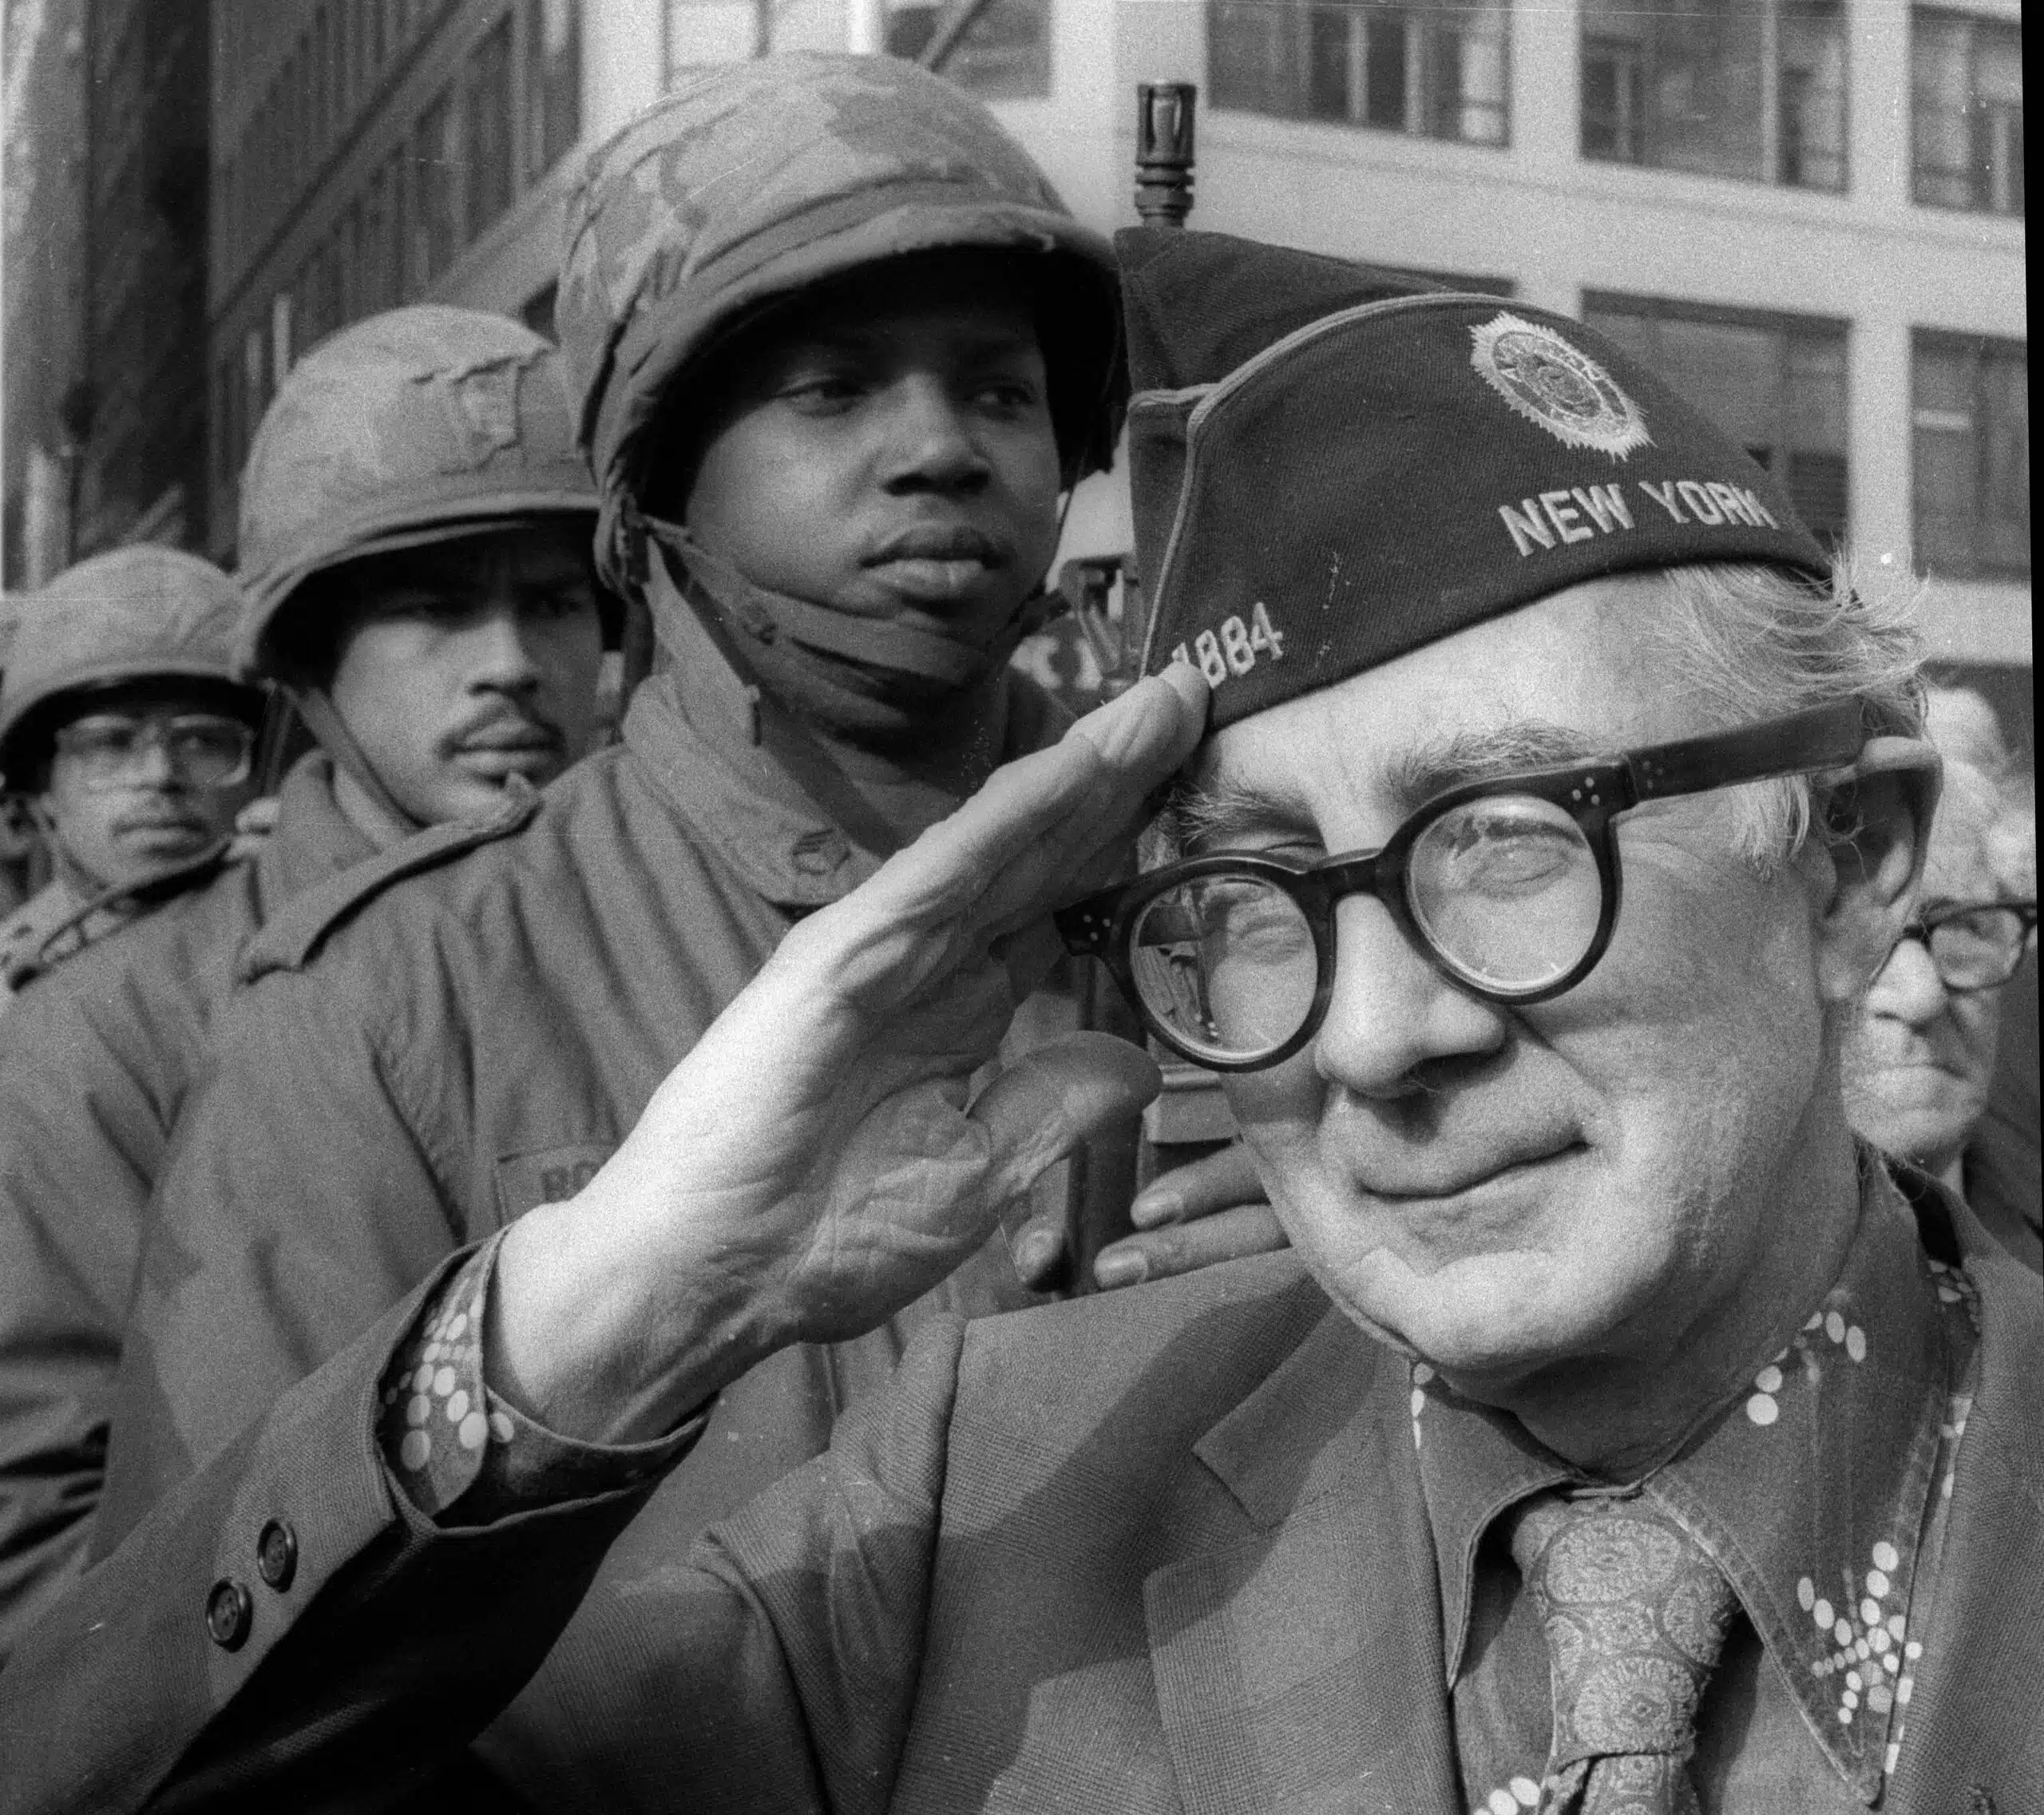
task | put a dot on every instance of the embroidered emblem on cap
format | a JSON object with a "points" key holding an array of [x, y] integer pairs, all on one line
{"points": [[1548, 382]]}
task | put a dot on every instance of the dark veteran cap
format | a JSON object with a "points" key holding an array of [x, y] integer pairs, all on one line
{"points": [[1332, 465]]}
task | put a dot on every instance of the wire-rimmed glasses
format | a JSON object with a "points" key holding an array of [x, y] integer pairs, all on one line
{"points": [[204, 750], [1510, 887]]}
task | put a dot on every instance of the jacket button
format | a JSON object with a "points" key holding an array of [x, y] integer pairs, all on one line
{"points": [[229, 1613], [276, 1555]]}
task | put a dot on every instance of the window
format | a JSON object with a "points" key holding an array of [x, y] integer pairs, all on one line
{"points": [[1775, 383], [1972, 424], [1751, 88], [1435, 68], [1968, 112], [435, 234], [1004, 54], [226, 429], [489, 168], [553, 83], [320, 79]]}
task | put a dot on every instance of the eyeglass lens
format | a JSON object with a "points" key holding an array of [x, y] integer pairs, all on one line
{"points": [[204, 750], [1978, 948], [1506, 889], [1227, 963]]}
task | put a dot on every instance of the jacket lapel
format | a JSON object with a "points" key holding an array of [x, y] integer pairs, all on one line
{"points": [[1297, 1660]]}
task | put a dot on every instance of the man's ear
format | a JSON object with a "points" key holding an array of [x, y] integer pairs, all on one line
{"points": [[1876, 828]]}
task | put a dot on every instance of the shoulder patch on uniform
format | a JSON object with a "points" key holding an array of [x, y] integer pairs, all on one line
{"points": [[289, 940]]}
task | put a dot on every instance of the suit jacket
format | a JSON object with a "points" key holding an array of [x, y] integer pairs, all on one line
{"points": [[1164, 1551]]}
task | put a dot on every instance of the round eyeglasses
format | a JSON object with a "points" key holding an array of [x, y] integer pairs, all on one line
{"points": [[202, 749], [1975, 946], [1510, 887]]}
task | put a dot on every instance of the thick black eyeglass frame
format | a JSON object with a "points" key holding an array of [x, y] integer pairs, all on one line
{"points": [[1922, 926], [1593, 794]]}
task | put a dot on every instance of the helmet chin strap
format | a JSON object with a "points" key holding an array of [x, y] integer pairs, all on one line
{"points": [[752, 626], [766, 618], [330, 730]]}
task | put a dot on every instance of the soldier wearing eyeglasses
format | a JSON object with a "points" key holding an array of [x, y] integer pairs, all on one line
{"points": [[126, 728], [1620, 1433]]}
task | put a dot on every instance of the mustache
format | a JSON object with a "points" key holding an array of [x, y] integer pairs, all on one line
{"points": [[505, 726]]}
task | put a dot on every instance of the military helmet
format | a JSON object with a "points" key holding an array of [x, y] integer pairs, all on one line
{"points": [[418, 426], [751, 181], [135, 614]]}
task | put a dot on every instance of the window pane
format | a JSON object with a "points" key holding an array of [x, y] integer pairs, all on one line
{"points": [[1747, 88], [488, 161], [1972, 450], [553, 83], [1967, 127], [1437, 68], [431, 200], [1005, 54]]}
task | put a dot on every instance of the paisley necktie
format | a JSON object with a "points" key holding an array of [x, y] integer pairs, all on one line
{"points": [[1635, 1615]]}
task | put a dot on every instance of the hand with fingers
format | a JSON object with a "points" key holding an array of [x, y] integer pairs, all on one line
{"points": [[816, 1163], [1209, 1210]]}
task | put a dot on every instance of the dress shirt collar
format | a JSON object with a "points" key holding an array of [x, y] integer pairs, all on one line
{"points": [[1808, 1488]]}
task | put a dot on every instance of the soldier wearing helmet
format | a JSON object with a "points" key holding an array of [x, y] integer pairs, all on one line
{"points": [[125, 726], [415, 547], [831, 408], [416, 573]]}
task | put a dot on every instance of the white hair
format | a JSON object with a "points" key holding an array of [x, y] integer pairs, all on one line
{"points": [[1979, 768], [1756, 643]]}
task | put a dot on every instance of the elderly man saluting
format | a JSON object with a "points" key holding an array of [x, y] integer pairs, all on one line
{"points": [[1617, 1436]]}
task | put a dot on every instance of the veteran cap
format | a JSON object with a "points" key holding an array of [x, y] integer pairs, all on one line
{"points": [[1332, 465]]}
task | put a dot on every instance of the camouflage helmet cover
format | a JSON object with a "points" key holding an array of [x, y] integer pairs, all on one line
{"points": [[753, 181], [417, 426], [140, 613]]}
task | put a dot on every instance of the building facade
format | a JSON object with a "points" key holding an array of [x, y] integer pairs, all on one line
{"points": [[106, 316], [105, 307], [1810, 213]]}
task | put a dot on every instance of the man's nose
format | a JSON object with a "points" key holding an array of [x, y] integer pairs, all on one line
{"points": [[500, 652], [1908, 987], [931, 443], [152, 767], [1392, 1017]]}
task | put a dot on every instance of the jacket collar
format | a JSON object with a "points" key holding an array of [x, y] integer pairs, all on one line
{"points": [[696, 736], [1285, 1652], [313, 839]]}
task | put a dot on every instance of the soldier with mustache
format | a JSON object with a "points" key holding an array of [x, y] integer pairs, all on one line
{"points": [[414, 542], [832, 410]]}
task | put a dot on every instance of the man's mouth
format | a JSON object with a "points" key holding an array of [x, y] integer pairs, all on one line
{"points": [[936, 563], [504, 747], [158, 826], [1417, 1185]]}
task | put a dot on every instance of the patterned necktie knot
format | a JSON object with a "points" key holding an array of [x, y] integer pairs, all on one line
{"points": [[1636, 1615]]}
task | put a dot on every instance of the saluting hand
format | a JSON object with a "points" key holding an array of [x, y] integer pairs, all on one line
{"points": [[816, 1163]]}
